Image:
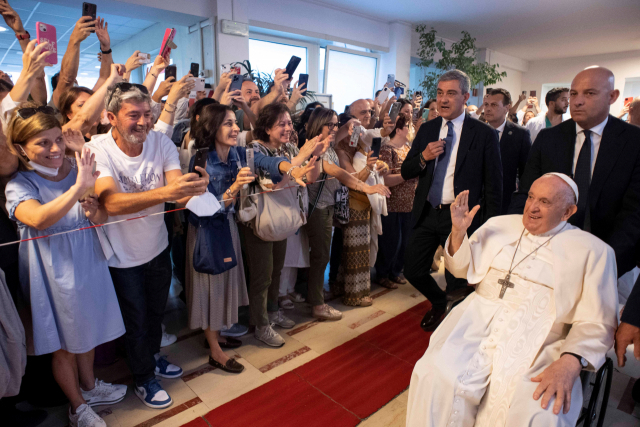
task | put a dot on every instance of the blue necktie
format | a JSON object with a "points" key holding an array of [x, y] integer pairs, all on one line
{"points": [[435, 192], [582, 177]]}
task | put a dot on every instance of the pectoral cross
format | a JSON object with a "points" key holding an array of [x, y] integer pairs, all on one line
{"points": [[505, 284]]}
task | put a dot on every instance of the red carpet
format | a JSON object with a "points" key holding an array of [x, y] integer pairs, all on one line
{"points": [[338, 388]]}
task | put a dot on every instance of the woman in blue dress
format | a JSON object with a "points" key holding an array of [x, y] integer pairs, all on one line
{"points": [[65, 278]]}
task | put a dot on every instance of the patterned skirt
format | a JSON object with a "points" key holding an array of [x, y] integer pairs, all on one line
{"points": [[353, 275]]}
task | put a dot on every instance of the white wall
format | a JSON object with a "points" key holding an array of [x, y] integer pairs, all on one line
{"points": [[623, 65]]}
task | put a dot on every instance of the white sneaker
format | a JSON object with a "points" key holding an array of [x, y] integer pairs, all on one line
{"points": [[85, 417], [104, 393], [326, 312], [267, 335], [279, 319], [167, 339]]}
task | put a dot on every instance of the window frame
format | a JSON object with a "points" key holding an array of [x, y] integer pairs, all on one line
{"points": [[313, 54], [327, 70]]}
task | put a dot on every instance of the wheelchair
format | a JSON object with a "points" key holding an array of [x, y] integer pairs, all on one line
{"points": [[596, 388]]}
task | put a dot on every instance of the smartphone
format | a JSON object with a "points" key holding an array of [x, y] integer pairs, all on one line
{"points": [[532, 93], [195, 69], [292, 65], [146, 58], [250, 165], [167, 42], [227, 68], [425, 114], [199, 84], [89, 9], [418, 93], [171, 71], [395, 110], [47, 33], [383, 95], [304, 78], [376, 143], [628, 100], [355, 136], [236, 82], [391, 80], [200, 160], [398, 92]]}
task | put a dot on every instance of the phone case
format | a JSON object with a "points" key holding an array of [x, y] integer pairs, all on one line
{"points": [[384, 94], [304, 78], [167, 41], [236, 83], [292, 66], [355, 136], [146, 58], [199, 84], [391, 80], [628, 100], [395, 109], [47, 33]]}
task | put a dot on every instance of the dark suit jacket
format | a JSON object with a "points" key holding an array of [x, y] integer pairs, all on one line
{"points": [[614, 194], [478, 168], [631, 313], [514, 151]]}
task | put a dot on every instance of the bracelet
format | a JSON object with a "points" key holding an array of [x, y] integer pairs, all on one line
{"points": [[170, 104], [153, 74], [170, 112], [25, 36], [106, 52], [290, 171], [422, 159]]}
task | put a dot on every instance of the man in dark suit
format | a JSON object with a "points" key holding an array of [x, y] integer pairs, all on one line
{"points": [[602, 153], [515, 142], [450, 154]]}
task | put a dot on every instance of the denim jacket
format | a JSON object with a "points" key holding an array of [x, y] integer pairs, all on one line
{"points": [[222, 175]]}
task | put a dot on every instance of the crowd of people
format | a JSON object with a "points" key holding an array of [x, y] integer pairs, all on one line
{"points": [[274, 193]]}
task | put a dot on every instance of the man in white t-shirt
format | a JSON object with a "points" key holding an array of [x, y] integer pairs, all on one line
{"points": [[557, 100], [140, 171]]}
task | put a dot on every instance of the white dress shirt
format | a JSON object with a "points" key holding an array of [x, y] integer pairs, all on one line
{"points": [[500, 129], [448, 194], [535, 125], [596, 137]]}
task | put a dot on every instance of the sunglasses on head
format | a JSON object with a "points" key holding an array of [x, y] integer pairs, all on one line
{"points": [[25, 113], [126, 87]]}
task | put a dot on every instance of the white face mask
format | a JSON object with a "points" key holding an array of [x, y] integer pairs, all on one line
{"points": [[43, 169]]}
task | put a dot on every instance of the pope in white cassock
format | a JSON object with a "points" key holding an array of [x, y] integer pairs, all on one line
{"points": [[544, 309]]}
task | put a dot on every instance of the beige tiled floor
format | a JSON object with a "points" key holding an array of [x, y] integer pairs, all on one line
{"points": [[216, 387]]}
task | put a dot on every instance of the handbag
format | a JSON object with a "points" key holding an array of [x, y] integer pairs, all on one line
{"points": [[341, 208], [213, 252], [279, 214]]}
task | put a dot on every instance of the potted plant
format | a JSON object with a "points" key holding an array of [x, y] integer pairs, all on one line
{"points": [[461, 56]]}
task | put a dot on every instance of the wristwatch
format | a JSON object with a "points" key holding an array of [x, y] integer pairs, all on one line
{"points": [[582, 360], [25, 36]]}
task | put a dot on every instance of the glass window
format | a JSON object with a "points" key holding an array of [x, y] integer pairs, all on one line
{"points": [[323, 53], [350, 77], [267, 56]]}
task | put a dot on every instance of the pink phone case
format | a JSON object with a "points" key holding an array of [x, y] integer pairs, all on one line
{"points": [[169, 34], [47, 33]]}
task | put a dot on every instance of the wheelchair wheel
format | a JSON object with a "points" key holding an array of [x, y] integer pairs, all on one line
{"points": [[593, 415]]}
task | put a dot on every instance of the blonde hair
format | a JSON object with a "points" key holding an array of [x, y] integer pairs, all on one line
{"points": [[22, 130]]}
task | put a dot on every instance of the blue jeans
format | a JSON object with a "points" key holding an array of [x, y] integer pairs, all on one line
{"points": [[142, 294], [396, 227]]}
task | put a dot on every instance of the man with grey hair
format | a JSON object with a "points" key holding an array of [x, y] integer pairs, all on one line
{"points": [[451, 153], [545, 308], [134, 163]]}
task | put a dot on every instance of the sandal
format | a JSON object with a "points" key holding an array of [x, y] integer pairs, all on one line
{"points": [[286, 303], [386, 283], [296, 297], [400, 280]]}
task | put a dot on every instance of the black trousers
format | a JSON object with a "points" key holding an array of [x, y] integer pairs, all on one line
{"points": [[431, 231]]}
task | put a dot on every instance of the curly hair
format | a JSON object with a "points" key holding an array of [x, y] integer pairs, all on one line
{"points": [[268, 117]]}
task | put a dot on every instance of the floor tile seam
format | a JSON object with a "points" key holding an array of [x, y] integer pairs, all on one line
{"points": [[384, 406], [326, 395]]}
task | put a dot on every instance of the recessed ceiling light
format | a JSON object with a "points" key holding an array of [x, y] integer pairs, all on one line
{"points": [[2, 29]]}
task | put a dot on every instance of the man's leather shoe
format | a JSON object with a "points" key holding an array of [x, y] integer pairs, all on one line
{"points": [[432, 319]]}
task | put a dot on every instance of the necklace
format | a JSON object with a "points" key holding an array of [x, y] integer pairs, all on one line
{"points": [[505, 282]]}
